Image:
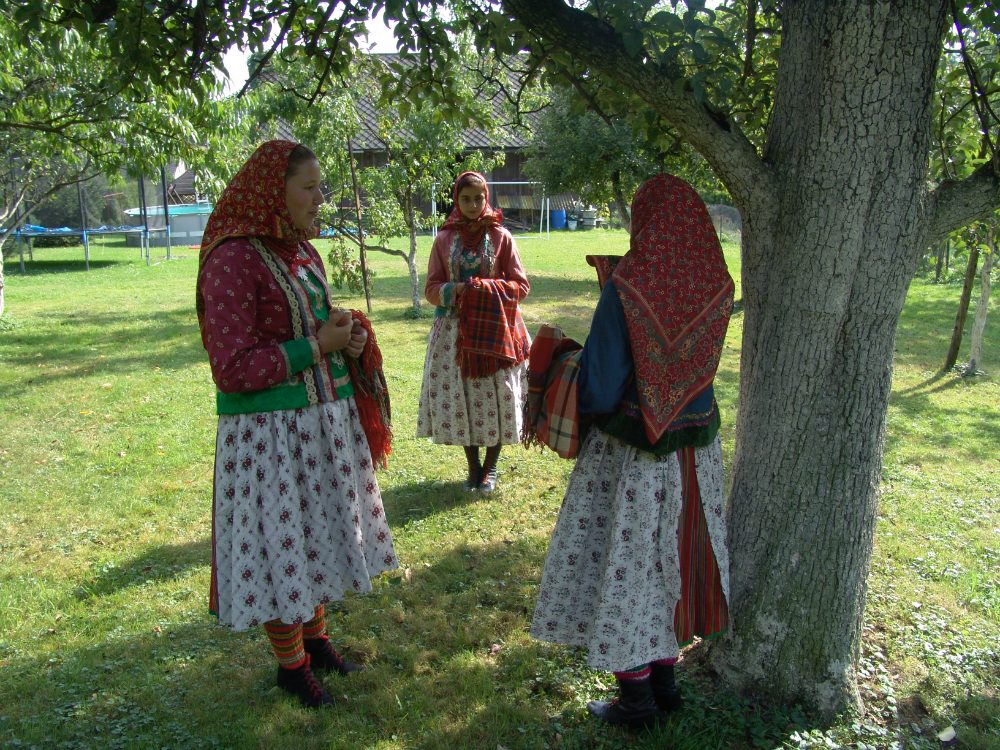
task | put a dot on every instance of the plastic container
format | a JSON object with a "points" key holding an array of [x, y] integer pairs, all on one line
{"points": [[559, 218], [571, 225]]}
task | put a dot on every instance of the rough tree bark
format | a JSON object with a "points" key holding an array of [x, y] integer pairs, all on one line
{"points": [[963, 310], [982, 306], [616, 190], [836, 212]]}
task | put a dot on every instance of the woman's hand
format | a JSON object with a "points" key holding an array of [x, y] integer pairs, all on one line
{"points": [[459, 287], [359, 337], [336, 332]]}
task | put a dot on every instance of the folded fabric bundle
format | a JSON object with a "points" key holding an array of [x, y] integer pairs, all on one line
{"points": [[491, 334], [552, 415], [371, 394]]}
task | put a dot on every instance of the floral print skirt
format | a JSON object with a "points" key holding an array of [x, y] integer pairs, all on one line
{"points": [[614, 573], [297, 517], [468, 411]]}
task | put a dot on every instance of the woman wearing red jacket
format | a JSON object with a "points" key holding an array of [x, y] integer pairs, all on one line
{"points": [[303, 418], [475, 373]]}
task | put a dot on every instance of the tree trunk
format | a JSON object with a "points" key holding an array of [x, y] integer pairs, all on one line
{"points": [[940, 260], [2, 301], [827, 259], [982, 307], [963, 310], [411, 260], [616, 190]]}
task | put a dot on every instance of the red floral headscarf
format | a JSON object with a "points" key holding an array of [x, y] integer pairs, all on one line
{"points": [[472, 230], [678, 296], [253, 205]]}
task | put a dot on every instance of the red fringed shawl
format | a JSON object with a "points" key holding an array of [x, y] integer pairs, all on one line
{"points": [[253, 205], [472, 230], [491, 334], [678, 296], [371, 394]]}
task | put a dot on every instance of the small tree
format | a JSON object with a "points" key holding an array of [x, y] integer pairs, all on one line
{"points": [[424, 154], [66, 117], [983, 304]]}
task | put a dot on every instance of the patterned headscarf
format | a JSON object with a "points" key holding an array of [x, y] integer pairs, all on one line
{"points": [[678, 296], [253, 205], [472, 230]]}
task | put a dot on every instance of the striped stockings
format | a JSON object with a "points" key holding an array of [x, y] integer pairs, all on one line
{"points": [[642, 672], [287, 640]]}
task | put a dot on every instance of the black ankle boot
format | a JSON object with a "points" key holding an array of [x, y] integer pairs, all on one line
{"points": [[665, 691], [301, 683], [635, 706], [323, 656], [488, 477], [475, 468]]}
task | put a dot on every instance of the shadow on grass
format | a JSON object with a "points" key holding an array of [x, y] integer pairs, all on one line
{"points": [[447, 667], [152, 566], [171, 340]]}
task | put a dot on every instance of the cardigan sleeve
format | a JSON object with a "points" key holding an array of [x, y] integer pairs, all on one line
{"points": [[240, 359], [509, 266], [606, 363], [439, 289]]}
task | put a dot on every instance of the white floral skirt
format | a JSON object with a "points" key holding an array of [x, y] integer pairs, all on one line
{"points": [[468, 411], [297, 516], [612, 578]]}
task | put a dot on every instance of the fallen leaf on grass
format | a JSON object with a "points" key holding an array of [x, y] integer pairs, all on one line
{"points": [[86, 412], [147, 569], [500, 747], [408, 574], [121, 454], [157, 629], [495, 648], [947, 735]]}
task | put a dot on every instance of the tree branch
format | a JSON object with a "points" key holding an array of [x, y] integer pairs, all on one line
{"points": [[712, 133], [956, 203]]}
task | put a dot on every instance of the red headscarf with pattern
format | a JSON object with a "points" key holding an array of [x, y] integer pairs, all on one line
{"points": [[678, 296], [472, 230], [253, 205]]}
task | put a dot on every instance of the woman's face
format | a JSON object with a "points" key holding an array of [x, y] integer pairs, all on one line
{"points": [[302, 194], [472, 200]]}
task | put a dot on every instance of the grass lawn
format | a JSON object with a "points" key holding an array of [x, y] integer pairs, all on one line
{"points": [[107, 432]]}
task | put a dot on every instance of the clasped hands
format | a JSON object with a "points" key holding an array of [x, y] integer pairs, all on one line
{"points": [[342, 332]]}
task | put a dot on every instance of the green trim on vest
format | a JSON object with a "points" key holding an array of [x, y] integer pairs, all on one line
{"points": [[632, 431]]}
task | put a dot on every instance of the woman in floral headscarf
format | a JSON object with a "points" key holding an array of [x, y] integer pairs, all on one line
{"points": [[474, 373], [638, 563], [303, 419]]}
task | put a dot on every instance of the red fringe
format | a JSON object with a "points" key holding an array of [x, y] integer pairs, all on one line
{"points": [[371, 394]]}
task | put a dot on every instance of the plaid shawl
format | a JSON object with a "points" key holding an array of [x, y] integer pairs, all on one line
{"points": [[491, 334], [551, 414]]}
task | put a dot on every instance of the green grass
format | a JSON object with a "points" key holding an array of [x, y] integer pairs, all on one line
{"points": [[106, 447]]}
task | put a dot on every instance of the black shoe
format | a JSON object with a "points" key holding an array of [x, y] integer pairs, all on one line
{"points": [[665, 691], [301, 683], [323, 656], [475, 468], [635, 706], [488, 476]]}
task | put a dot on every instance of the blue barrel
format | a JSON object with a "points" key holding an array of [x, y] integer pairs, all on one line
{"points": [[558, 218]]}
